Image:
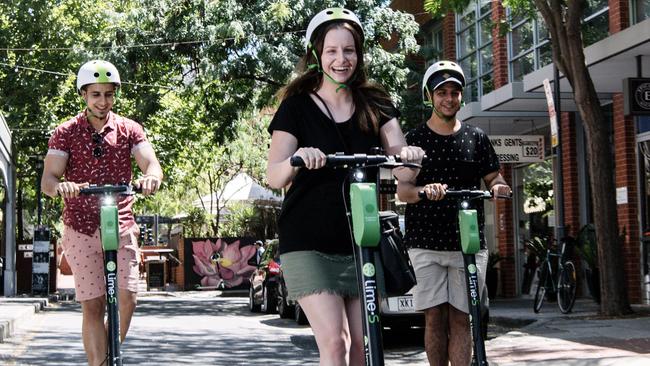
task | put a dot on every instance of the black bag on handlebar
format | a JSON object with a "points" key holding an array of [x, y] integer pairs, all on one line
{"points": [[399, 276]]}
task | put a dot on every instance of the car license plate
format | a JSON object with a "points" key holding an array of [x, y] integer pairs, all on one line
{"points": [[405, 303], [400, 303]]}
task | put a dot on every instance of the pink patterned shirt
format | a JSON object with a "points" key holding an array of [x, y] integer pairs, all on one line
{"points": [[97, 158]]}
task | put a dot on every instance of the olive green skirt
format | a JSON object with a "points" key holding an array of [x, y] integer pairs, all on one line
{"points": [[311, 272]]}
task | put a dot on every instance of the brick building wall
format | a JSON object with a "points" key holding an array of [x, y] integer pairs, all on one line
{"points": [[570, 174], [626, 177], [505, 239], [499, 48], [626, 170], [449, 36], [504, 209], [619, 15]]}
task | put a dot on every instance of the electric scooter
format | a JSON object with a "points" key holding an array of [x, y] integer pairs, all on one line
{"points": [[470, 245], [110, 238], [366, 235]]}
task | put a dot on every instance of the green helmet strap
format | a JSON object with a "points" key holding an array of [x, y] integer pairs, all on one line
{"points": [[320, 69]]}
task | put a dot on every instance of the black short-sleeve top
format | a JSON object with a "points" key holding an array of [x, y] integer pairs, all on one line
{"points": [[459, 160], [313, 215]]}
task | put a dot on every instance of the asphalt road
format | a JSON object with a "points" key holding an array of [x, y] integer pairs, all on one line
{"points": [[197, 328]]}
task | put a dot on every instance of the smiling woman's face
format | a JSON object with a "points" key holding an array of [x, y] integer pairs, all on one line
{"points": [[339, 57]]}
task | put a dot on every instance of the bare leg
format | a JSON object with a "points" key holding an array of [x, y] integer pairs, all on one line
{"points": [[328, 320], [353, 311], [435, 334], [93, 331], [460, 340], [128, 300]]}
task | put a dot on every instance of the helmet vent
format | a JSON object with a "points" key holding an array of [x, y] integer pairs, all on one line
{"points": [[108, 73], [330, 12], [96, 74]]}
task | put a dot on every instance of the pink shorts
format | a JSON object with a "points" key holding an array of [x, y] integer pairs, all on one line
{"points": [[86, 258]]}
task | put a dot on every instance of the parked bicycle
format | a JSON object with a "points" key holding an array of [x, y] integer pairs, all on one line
{"points": [[561, 281]]}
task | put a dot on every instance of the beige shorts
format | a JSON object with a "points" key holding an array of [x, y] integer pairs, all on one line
{"points": [[441, 278], [86, 258]]}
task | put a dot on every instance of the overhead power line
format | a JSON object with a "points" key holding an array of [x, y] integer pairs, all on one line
{"points": [[144, 45], [19, 67]]}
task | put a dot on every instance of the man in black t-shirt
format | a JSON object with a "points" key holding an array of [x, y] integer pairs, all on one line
{"points": [[459, 157]]}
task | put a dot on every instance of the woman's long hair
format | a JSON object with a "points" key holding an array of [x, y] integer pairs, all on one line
{"points": [[372, 103]]}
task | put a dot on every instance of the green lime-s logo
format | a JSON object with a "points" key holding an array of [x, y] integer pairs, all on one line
{"points": [[110, 266], [369, 269], [471, 268]]}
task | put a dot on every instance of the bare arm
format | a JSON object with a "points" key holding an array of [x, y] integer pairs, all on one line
{"points": [[146, 159], [284, 145], [495, 183], [394, 142], [51, 184]]}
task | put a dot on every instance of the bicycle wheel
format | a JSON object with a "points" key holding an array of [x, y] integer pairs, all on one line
{"points": [[541, 288], [566, 287]]}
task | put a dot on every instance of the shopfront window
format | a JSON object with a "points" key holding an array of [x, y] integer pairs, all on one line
{"points": [[432, 49], [474, 48], [640, 10], [529, 46], [595, 23], [534, 210]]}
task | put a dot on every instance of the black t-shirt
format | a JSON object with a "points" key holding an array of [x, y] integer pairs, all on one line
{"points": [[313, 215], [459, 160]]}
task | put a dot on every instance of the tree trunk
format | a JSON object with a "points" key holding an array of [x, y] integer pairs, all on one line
{"points": [[602, 171], [563, 20]]}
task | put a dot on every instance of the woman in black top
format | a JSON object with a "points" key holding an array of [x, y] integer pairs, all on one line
{"points": [[330, 107]]}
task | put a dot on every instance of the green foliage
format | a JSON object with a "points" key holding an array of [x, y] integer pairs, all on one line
{"points": [[538, 182], [255, 220], [195, 225], [197, 72]]}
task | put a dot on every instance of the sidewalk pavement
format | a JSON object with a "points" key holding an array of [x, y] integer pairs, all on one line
{"points": [[523, 337], [581, 337]]}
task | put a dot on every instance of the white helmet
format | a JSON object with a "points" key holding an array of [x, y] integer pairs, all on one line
{"points": [[442, 72], [97, 72], [329, 15]]}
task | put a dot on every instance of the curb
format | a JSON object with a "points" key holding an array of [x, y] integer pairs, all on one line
{"points": [[15, 310]]}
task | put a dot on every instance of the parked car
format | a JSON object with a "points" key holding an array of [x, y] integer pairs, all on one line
{"points": [[398, 313]]}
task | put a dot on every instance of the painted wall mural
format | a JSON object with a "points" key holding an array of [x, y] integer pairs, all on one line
{"points": [[222, 262]]}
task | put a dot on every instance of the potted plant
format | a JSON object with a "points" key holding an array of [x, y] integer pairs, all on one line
{"points": [[586, 247], [492, 274]]}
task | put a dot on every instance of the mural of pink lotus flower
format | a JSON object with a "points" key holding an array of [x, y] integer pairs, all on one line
{"points": [[222, 262]]}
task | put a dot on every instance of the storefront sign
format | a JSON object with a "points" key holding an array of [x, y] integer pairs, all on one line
{"points": [[551, 112], [519, 148], [636, 92]]}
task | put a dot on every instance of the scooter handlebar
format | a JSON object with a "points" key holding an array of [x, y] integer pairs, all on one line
{"points": [[467, 194], [108, 189], [337, 160]]}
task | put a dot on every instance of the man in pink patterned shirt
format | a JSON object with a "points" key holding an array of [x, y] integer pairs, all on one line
{"points": [[95, 147]]}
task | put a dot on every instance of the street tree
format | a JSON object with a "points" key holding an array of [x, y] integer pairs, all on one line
{"points": [[192, 70], [564, 22]]}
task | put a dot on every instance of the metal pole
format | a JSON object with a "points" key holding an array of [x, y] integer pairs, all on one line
{"points": [[559, 195], [39, 198]]}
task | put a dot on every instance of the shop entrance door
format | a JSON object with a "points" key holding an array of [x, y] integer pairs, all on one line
{"points": [[534, 215]]}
